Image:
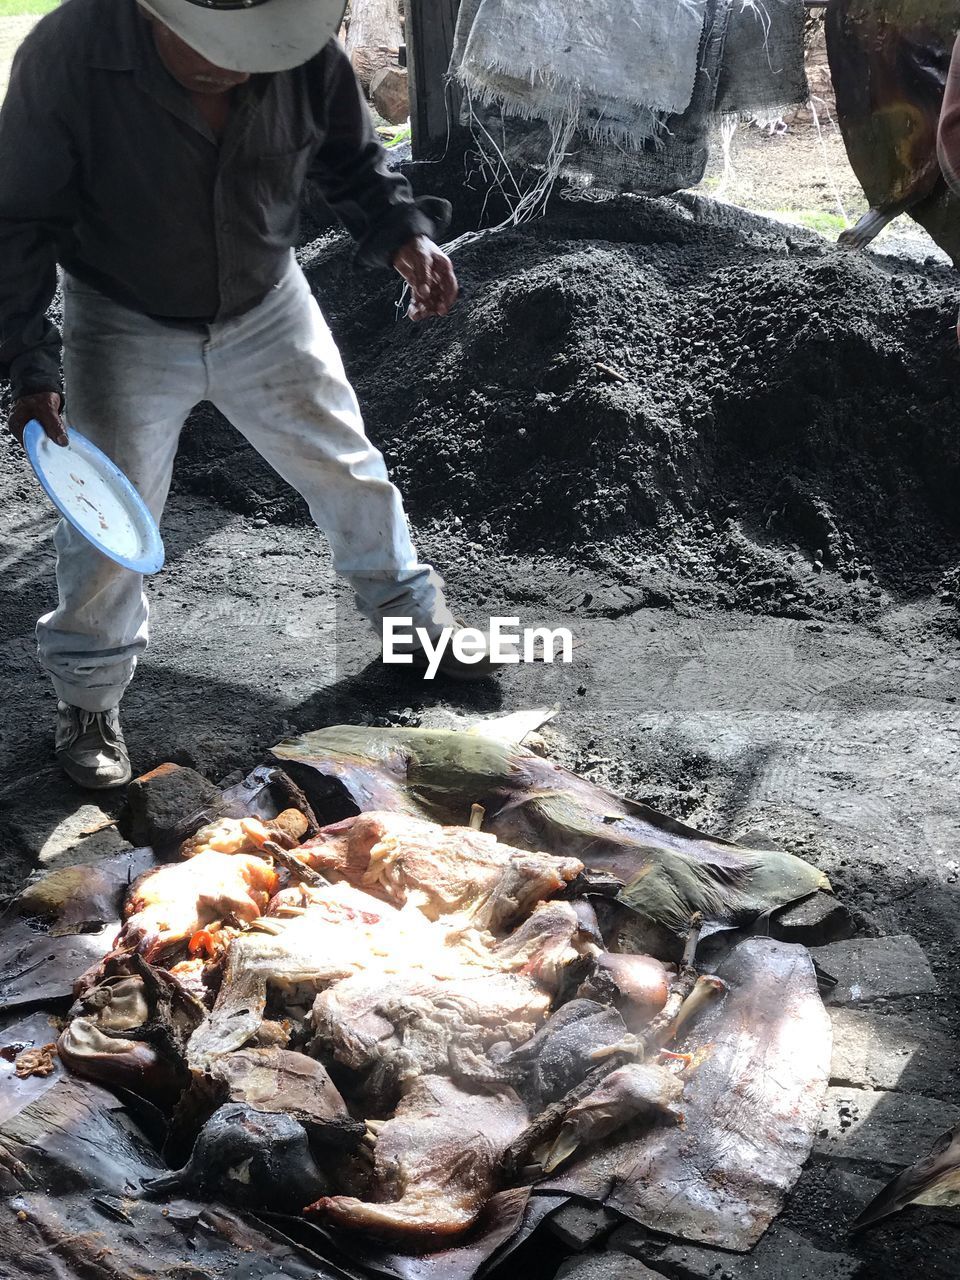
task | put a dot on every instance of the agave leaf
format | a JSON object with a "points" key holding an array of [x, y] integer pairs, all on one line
{"points": [[751, 1107], [933, 1180], [669, 870], [517, 726]]}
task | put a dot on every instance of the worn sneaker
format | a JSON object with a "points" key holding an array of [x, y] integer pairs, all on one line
{"points": [[90, 748], [449, 664], [455, 668]]}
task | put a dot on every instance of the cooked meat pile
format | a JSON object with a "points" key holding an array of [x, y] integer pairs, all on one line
{"points": [[363, 1026]]}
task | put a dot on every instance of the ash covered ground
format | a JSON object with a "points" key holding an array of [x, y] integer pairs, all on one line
{"points": [[726, 455]]}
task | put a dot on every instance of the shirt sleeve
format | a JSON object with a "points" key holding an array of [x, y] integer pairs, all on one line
{"points": [[37, 169], [376, 205], [948, 134]]}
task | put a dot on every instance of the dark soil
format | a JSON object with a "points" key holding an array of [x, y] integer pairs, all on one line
{"points": [[682, 396]]}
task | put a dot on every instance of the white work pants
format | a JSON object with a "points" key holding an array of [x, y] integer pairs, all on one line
{"points": [[276, 374]]}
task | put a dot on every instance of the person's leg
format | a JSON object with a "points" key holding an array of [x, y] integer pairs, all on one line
{"points": [[130, 383], [277, 375]]}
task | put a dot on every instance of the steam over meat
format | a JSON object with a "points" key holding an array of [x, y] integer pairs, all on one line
{"points": [[321, 936], [445, 871], [172, 903], [434, 1163], [316, 936]]}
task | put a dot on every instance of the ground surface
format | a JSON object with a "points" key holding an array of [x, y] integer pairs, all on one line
{"points": [[751, 530], [725, 454]]}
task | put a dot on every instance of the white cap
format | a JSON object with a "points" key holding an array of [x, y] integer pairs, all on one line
{"points": [[256, 35]]}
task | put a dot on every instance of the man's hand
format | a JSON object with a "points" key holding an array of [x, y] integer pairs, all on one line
{"points": [[429, 273], [45, 407]]}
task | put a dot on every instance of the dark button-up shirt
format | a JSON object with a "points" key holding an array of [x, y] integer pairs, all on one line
{"points": [[107, 167]]}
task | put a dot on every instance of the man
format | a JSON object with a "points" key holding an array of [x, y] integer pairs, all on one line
{"points": [[157, 151]]}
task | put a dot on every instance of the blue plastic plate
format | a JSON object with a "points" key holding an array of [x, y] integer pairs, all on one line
{"points": [[96, 497]]}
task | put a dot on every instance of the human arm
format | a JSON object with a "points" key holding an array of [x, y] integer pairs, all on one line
{"points": [[36, 180], [350, 168], [431, 277], [948, 132]]}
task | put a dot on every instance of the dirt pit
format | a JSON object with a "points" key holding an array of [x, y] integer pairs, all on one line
{"points": [[736, 485], [685, 397]]}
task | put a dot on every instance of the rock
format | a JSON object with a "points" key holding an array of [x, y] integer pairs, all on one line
{"points": [[855, 1188], [784, 1255], [756, 839], [870, 969], [780, 1255], [832, 1193], [210, 751], [83, 897], [693, 1263], [606, 1266], [57, 823], [886, 1128], [814, 921], [887, 1051], [390, 93], [581, 1225], [86, 835], [168, 804]]}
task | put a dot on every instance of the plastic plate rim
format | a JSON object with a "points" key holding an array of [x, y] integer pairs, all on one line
{"points": [[153, 561]]}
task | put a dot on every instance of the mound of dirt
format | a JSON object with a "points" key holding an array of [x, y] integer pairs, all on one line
{"points": [[695, 398]]}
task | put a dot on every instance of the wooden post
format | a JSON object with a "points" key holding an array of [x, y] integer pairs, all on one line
{"points": [[434, 105]]}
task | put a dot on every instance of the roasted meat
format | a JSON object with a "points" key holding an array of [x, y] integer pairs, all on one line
{"points": [[561, 1053], [39, 1061], [118, 1003], [422, 1015], [422, 1025], [670, 871], [280, 1080], [638, 1090], [170, 904], [444, 871], [245, 835], [394, 956], [543, 944], [117, 1061], [643, 984], [251, 1158], [340, 931], [419, 992], [435, 1162]]}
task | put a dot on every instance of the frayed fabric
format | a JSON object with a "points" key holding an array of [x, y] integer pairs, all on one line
{"points": [[610, 76]]}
